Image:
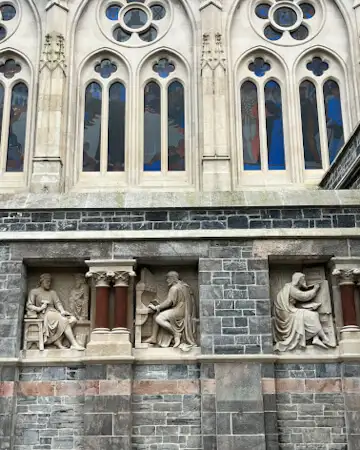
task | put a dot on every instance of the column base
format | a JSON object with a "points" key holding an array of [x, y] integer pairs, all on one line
{"points": [[47, 175], [109, 343], [350, 340]]}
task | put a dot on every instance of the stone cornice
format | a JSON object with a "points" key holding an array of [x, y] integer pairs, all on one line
{"points": [[278, 233], [169, 199]]}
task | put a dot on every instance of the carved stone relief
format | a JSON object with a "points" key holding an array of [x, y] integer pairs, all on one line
{"points": [[53, 55], [165, 312], [57, 311], [301, 309]]}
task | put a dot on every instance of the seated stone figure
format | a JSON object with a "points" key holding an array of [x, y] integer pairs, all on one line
{"points": [[175, 318], [44, 303], [295, 317]]}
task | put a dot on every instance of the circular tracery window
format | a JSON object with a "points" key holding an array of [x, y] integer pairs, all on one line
{"points": [[287, 22], [9, 19], [135, 23]]}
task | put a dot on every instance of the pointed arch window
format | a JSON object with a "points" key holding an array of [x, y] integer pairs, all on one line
{"points": [[104, 120], [164, 120], [14, 117], [321, 114], [262, 109]]}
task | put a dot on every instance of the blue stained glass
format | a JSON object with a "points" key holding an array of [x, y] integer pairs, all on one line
{"points": [[116, 128], [285, 17], [17, 128], [300, 34], [176, 127], [152, 127], [317, 66], [2, 33], [113, 11], [272, 34], [106, 68], [163, 67], [8, 12], [310, 126], [334, 122], [121, 35], [250, 126], [262, 11], [158, 12], [92, 128], [259, 67], [308, 10], [274, 126], [135, 18]]}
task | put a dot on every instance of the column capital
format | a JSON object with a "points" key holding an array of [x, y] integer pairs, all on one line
{"points": [[122, 277], [346, 276], [101, 278]]}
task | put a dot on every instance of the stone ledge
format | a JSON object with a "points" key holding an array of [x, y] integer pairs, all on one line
{"points": [[261, 233], [307, 357], [296, 196]]}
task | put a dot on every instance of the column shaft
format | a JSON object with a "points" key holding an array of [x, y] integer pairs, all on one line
{"points": [[120, 319], [347, 292], [102, 307]]}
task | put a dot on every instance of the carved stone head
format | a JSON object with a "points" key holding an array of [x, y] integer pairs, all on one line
{"points": [[298, 280], [79, 280], [45, 281], [172, 277]]}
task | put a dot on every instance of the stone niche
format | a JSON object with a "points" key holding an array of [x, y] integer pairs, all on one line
{"points": [[302, 307], [151, 288], [74, 293]]}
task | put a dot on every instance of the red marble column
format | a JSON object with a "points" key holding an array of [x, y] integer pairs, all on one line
{"points": [[121, 299], [346, 282], [102, 286]]}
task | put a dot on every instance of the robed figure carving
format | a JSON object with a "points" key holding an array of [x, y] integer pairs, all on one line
{"points": [[44, 303], [174, 320], [296, 318]]}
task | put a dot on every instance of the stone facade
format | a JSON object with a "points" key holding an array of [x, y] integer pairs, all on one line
{"points": [[89, 191]]}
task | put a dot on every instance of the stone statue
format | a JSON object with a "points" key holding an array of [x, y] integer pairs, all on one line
{"points": [[44, 303], [296, 319], [79, 298], [175, 316]]}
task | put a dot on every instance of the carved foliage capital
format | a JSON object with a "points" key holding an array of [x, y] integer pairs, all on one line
{"points": [[346, 276], [101, 278]]}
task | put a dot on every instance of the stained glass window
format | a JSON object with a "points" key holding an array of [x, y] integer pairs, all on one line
{"points": [[92, 128], [112, 12], [259, 67], [8, 12], [285, 17], [158, 12], [272, 34], [317, 66], [300, 33], [310, 126], [308, 10], [176, 127], [17, 128], [250, 126], [2, 33], [10, 68], [116, 128], [2, 96], [163, 67], [149, 35], [274, 126], [334, 122], [106, 68], [121, 35], [135, 18], [262, 10], [152, 127]]}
